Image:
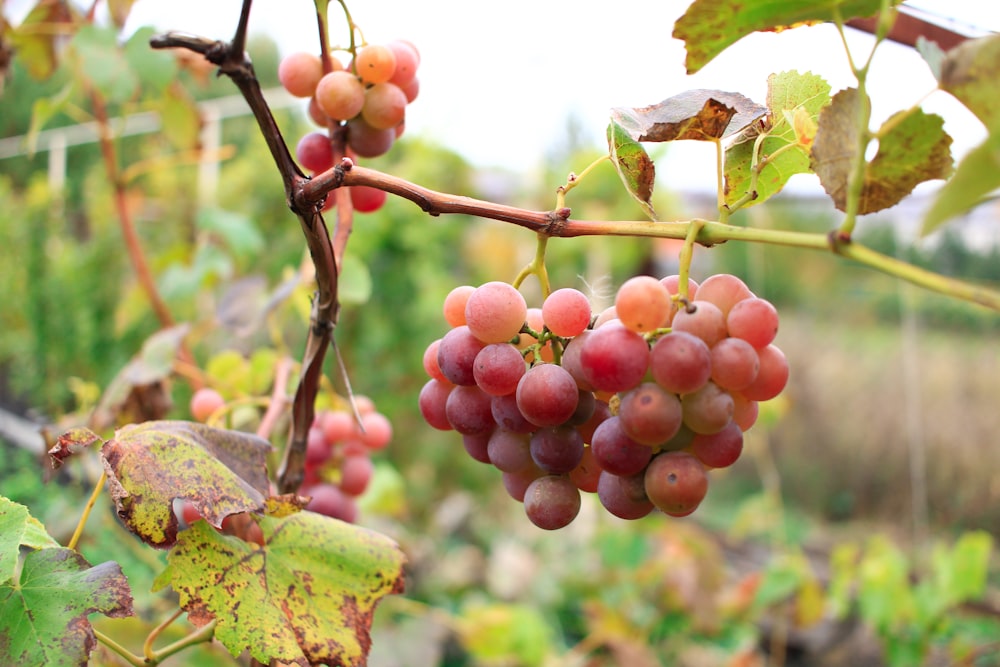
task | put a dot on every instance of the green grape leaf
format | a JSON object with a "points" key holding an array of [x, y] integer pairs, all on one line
{"points": [[34, 40], [305, 596], [912, 148], [158, 68], [221, 472], [961, 573], [977, 175], [229, 372], [100, 60], [18, 528], [932, 54], [355, 282], [45, 109], [137, 391], [505, 634], [970, 72], [181, 123], [794, 101], [236, 230], [884, 592], [634, 166], [701, 115], [43, 615], [708, 27]]}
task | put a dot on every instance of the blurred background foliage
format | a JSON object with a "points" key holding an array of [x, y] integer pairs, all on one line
{"points": [[877, 369]]}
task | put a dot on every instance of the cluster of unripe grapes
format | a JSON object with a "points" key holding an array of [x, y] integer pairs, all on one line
{"points": [[338, 465], [367, 96], [634, 404]]}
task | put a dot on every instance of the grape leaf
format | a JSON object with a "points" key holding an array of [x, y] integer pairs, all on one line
{"points": [[180, 119], [119, 10], [976, 176], [43, 615], [970, 72], [932, 54], [18, 528], [633, 165], [794, 101], [70, 443], [149, 465], [702, 115], [34, 40], [708, 27], [238, 231], [912, 149], [306, 596], [100, 61], [159, 68]]}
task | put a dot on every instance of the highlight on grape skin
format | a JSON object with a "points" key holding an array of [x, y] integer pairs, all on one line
{"points": [[636, 405]]}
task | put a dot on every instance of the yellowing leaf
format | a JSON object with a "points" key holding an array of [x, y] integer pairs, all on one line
{"points": [[708, 27], [633, 165], [149, 465], [701, 115], [306, 596], [970, 72]]}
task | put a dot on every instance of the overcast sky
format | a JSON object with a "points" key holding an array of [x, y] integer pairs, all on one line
{"points": [[499, 80]]}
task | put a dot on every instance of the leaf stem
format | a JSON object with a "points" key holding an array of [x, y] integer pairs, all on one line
{"points": [[126, 655], [75, 539], [199, 636], [684, 260], [537, 267], [147, 647]]}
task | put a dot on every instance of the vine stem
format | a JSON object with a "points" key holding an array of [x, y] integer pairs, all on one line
{"points": [[95, 494], [684, 260], [558, 223], [147, 647]]}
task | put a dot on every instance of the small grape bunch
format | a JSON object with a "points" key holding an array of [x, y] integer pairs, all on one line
{"points": [[635, 404], [369, 96]]}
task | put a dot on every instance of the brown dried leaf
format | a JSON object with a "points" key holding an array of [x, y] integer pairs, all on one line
{"points": [[700, 115]]}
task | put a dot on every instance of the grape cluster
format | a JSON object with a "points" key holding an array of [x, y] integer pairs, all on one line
{"points": [[634, 404], [338, 465], [368, 96]]}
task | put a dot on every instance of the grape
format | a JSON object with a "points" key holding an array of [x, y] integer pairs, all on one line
{"points": [[507, 415], [703, 319], [517, 483], [772, 377], [367, 141], [431, 362], [734, 363], [547, 395], [615, 451], [468, 410], [682, 440], [613, 496], [744, 412], [317, 448], [376, 430], [339, 426], [552, 502], [707, 410], [411, 89], [556, 450], [533, 318], [300, 73], [355, 474], [649, 414], [676, 483], [330, 501], [672, 283], [614, 358], [495, 312], [718, 450], [587, 473], [316, 115], [571, 360], [454, 305], [601, 412], [643, 304], [204, 402], [477, 445], [363, 404], [754, 320], [680, 362], [366, 199], [585, 405], [724, 290], [407, 61], [509, 451], [384, 106], [566, 312], [340, 95], [375, 63], [498, 368], [433, 401], [605, 316], [457, 355], [314, 152]]}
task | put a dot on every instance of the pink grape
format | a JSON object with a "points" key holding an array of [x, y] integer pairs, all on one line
{"points": [[338, 426], [676, 483], [355, 474], [735, 363], [454, 305], [375, 63], [566, 312], [457, 355], [754, 320], [613, 494], [587, 472], [509, 451], [649, 414], [724, 290], [314, 152], [703, 319], [204, 402], [385, 106], [507, 415], [300, 72], [552, 502], [376, 430], [745, 411], [340, 95], [495, 312], [718, 450], [468, 410], [615, 451], [517, 483], [707, 410], [772, 377], [430, 361], [367, 141], [477, 446], [330, 501], [614, 358], [680, 362], [556, 450], [547, 395], [433, 403], [643, 304], [366, 199], [407, 61], [497, 368]]}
